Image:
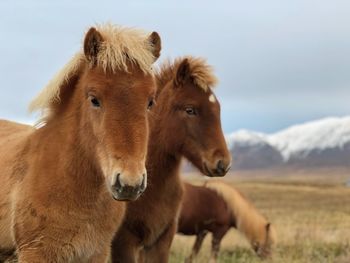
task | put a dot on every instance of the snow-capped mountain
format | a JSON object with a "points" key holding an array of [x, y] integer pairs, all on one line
{"points": [[325, 142], [252, 150]]}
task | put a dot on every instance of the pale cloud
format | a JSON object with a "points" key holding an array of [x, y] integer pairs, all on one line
{"points": [[279, 62]]}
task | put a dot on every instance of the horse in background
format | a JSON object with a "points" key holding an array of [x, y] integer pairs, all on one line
{"points": [[59, 180], [185, 123], [216, 207]]}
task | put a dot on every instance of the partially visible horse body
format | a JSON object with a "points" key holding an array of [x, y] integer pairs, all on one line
{"points": [[58, 181], [185, 122], [216, 207]]}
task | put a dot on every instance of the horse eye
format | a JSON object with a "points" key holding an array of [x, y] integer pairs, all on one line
{"points": [[191, 111], [95, 102], [150, 104]]}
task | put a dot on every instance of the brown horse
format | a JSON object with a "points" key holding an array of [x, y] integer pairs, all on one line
{"points": [[59, 181], [216, 207], [186, 122]]}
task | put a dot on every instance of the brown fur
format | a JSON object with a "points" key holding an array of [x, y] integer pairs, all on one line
{"points": [[200, 72], [121, 49], [216, 207], [150, 222], [57, 181]]}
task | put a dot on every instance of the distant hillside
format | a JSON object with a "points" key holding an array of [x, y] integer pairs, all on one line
{"points": [[318, 144], [321, 143]]}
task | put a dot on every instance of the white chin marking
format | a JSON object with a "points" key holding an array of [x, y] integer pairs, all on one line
{"points": [[212, 98]]}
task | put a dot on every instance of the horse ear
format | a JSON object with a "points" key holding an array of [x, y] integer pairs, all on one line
{"points": [[92, 43], [154, 38], [183, 72]]}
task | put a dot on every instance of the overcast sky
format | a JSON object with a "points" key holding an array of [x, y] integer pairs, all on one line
{"points": [[279, 62]]}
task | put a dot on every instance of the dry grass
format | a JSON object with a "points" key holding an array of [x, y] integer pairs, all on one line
{"points": [[311, 215]]}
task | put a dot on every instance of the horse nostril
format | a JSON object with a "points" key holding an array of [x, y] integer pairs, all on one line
{"points": [[118, 184], [220, 166], [144, 183]]}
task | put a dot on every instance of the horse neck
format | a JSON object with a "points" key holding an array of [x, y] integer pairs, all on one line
{"points": [[163, 161], [164, 151], [244, 216], [251, 223]]}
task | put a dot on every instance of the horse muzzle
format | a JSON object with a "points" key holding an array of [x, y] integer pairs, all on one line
{"points": [[126, 192], [218, 170]]}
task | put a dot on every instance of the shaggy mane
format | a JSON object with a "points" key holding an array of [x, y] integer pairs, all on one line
{"points": [[120, 45], [201, 72], [248, 219]]}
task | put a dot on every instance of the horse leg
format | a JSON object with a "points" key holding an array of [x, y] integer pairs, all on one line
{"points": [[101, 257], [215, 244], [159, 252], [125, 247], [42, 255], [34, 256], [197, 246]]}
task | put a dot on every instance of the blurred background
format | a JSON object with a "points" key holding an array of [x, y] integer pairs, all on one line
{"points": [[280, 63]]}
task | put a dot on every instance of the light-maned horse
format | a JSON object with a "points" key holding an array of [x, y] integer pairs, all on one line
{"points": [[184, 123], [216, 207], [59, 181]]}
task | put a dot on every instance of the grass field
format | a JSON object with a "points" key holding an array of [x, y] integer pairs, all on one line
{"points": [[311, 213]]}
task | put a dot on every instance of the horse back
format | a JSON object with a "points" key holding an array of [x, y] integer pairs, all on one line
{"points": [[13, 137], [202, 209]]}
